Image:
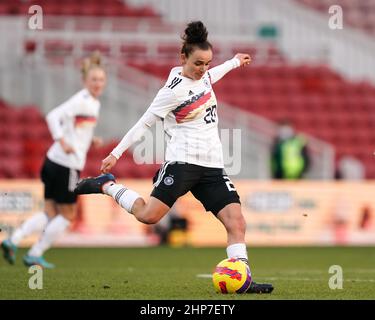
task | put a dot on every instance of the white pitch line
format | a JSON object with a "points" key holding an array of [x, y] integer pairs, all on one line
{"points": [[204, 275], [209, 276], [360, 280]]}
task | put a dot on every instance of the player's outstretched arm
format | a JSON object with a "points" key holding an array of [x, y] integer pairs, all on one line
{"points": [[240, 59], [244, 58], [164, 102], [133, 135]]}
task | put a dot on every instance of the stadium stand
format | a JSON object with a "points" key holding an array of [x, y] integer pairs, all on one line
{"points": [[316, 99], [25, 139], [111, 8], [358, 14]]}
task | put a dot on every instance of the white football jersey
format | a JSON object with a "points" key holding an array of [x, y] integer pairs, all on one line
{"points": [[189, 110], [74, 120]]}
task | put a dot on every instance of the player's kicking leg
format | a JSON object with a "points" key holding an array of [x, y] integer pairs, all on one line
{"points": [[148, 213], [94, 185]]}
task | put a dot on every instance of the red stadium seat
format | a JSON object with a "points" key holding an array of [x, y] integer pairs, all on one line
{"points": [[58, 47], [89, 10], [74, 8], [4, 8], [51, 9], [12, 167], [103, 48], [32, 165], [92, 168], [13, 132], [8, 116], [133, 50], [70, 9], [168, 49], [31, 115], [11, 148]]}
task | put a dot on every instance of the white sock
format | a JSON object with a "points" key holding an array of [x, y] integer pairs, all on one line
{"points": [[238, 250], [54, 229], [123, 196], [35, 223]]}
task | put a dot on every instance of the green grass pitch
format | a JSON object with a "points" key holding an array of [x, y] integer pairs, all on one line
{"points": [[172, 273]]}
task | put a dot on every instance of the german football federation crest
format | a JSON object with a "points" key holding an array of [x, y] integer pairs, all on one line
{"points": [[168, 181]]}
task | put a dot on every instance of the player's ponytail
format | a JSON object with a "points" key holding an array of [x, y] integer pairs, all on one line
{"points": [[195, 36], [91, 62]]}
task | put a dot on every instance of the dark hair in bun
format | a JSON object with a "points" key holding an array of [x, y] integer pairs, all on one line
{"points": [[195, 36]]}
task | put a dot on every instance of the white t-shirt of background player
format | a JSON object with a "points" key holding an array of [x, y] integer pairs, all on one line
{"points": [[189, 110], [74, 120]]}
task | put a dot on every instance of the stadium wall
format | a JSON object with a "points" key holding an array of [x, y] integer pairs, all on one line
{"points": [[277, 214]]}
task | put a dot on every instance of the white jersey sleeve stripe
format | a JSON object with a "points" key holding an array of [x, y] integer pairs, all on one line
{"points": [[162, 173]]}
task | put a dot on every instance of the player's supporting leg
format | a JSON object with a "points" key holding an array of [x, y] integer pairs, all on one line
{"points": [[131, 201], [55, 228], [234, 222], [35, 223]]}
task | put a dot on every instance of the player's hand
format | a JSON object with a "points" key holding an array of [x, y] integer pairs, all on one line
{"points": [[66, 147], [244, 58], [97, 142], [108, 163]]}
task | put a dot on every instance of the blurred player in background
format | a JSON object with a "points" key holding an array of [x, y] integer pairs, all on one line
{"points": [[194, 156], [72, 127], [290, 158]]}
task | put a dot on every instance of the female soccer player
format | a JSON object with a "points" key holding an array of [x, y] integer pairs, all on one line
{"points": [[72, 127], [194, 157]]}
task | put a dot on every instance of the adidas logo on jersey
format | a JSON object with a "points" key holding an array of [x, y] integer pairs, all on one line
{"points": [[190, 92]]}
